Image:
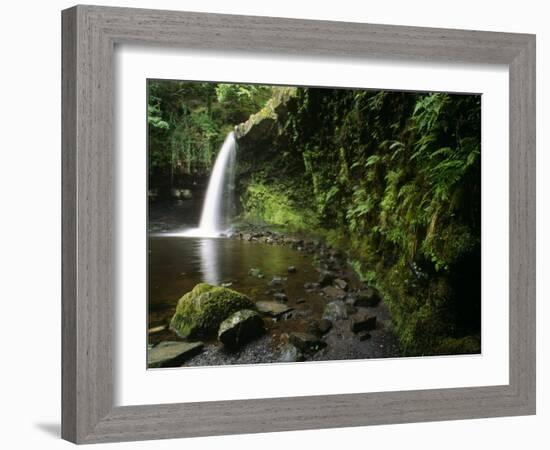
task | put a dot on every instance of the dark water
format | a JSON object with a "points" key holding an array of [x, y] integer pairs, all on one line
{"points": [[177, 264], [174, 215]]}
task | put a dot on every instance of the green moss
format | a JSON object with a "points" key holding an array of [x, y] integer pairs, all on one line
{"points": [[200, 311], [272, 204], [201, 288]]}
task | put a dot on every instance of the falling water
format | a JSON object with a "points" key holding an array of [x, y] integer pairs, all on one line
{"points": [[216, 211]]}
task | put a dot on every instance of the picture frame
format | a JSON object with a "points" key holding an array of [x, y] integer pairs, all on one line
{"points": [[89, 37]]}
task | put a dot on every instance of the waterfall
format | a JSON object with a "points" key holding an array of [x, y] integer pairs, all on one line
{"points": [[215, 211]]}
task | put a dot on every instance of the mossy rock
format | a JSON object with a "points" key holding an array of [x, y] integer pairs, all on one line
{"points": [[201, 311]]}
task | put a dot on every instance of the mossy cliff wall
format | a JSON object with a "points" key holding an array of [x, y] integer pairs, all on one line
{"points": [[393, 179]]}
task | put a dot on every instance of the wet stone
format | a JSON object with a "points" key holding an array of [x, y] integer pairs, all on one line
{"points": [[240, 328], [336, 310], [320, 327], [341, 284], [306, 342], [288, 315], [280, 297], [324, 325], [367, 297], [331, 291], [326, 278], [157, 329], [289, 353], [273, 309], [276, 282], [254, 272], [365, 323], [172, 353]]}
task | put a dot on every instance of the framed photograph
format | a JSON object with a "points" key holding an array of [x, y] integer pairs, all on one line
{"points": [[268, 222]]}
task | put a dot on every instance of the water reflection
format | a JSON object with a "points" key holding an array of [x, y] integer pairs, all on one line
{"points": [[177, 265], [209, 261]]}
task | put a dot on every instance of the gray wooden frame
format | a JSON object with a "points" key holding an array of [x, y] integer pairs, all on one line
{"points": [[89, 36]]}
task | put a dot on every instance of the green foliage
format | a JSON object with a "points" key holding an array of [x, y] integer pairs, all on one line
{"points": [[275, 205], [243, 96], [187, 123], [154, 118], [392, 178], [362, 204]]}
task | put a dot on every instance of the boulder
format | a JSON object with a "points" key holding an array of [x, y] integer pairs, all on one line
{"points": [[365, 323], [291, 269], [289, 353], [324, 325], [306, 343], [326, 278], [201, 311], [311, 286], [276, 282], [320, 327], [368, 297], [240, 328], [332, 291], [336, 310], [273, 309], [172, 353], [280, 296], [341, 284]]}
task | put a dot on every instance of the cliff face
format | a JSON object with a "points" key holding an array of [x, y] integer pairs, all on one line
{"points": [[270, 171], [391, 178]]}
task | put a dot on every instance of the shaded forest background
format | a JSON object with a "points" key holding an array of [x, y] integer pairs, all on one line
{"points": [[391, 178], [187, 125]]}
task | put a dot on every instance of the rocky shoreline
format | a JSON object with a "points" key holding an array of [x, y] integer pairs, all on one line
{"points": [[354, 322]]}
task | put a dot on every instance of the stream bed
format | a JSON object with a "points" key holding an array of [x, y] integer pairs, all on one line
{"points": [[249, 262]]}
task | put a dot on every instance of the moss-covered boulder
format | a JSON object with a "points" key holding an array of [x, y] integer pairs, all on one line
{"points": [[201, 311]]}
